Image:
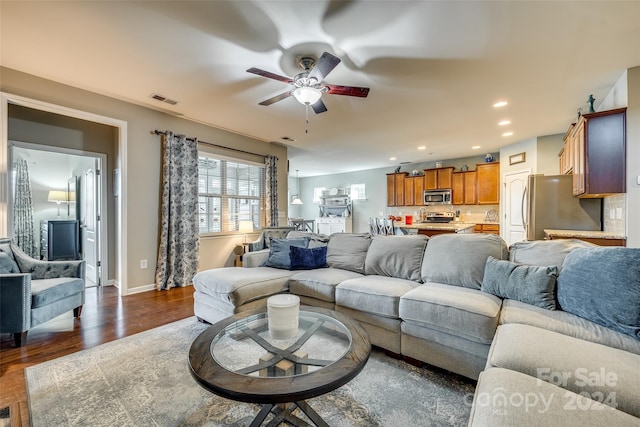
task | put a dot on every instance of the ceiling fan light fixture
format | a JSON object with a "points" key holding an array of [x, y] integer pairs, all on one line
{"points": [[307, 95]]}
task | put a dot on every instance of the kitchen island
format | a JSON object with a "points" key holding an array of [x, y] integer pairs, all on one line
{"points": [[434, 228], [601, 238]]}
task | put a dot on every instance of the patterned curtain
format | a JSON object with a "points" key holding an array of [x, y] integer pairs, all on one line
{"points": [[23, 211], [179, 244], [271, 189]]}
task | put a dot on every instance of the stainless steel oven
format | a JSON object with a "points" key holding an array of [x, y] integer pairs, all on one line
{"points": [[437, 197]]}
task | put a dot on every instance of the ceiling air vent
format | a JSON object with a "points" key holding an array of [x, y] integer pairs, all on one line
{"points": [[163, 99]]}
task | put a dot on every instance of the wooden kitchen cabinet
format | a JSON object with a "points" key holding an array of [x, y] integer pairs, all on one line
{"points": [[464, 188], [599, 144], [487, 228], [395, 188], [488, 183], [409, 195], [566, 154], [413, 190], [435, 179]]}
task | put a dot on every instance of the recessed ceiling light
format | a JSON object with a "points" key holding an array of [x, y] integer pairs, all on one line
{"points": [[422, 147], [475, 147], [504, 122], [507, 134], [392, 158], [500, 104]]}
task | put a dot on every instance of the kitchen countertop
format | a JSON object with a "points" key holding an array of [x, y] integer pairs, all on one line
{"points": [[584, 234], [452, 226]]}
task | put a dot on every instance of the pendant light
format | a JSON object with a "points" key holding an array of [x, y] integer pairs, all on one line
{"points": [[296, 198]]}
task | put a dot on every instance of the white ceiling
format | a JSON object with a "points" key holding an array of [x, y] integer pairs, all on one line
{"points": [[434, 68]]}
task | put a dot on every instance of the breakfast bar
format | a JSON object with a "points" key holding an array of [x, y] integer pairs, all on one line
{"points": [[431, 229]]}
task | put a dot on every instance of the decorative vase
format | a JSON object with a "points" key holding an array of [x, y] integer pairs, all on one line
{"points": [[488, 158]]}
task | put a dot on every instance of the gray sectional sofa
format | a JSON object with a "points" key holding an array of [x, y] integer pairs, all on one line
{"points": [[468, 304]]}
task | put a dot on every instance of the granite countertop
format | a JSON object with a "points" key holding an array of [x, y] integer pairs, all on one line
{"points": [[453, 226], [585, 234]]}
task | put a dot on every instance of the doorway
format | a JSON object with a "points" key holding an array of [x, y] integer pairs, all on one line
{"points": [[119, 217], [514, 221], [77, 175]]}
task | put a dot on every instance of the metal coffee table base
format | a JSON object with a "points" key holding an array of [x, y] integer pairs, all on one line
{"points": [[286, 416]]}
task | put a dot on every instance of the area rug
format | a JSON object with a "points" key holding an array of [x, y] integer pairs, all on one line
{"points": [[143, 380]]}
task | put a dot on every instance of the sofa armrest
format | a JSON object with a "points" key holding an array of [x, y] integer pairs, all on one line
{"points": [[15, 302], [255, 259]]}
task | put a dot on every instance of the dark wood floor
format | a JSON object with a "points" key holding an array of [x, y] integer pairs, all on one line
{"points": [[105, 317]]}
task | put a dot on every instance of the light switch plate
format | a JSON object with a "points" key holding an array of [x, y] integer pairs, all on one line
{"points": [[638, 178]]}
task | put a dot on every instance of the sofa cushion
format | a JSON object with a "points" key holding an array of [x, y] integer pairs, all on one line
{"points": [[509, 398], [532, 284], [545, 252], [583, 367], [315, 239], [468, 313], [602, 284], [307, 258], [566, 323], [7, 264], [459, 259], [279, 252], [320, 283], [348, 251], [396, 256], [47, 291], [238, 286], [378, 295]]}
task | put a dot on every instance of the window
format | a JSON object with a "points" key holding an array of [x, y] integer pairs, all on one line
{"points": [[357, 192], [229, 191]]}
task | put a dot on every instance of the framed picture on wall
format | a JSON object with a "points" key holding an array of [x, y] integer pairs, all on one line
{"points": [[517, 158]]}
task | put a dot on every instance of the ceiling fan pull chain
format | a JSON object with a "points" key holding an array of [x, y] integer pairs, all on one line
{"points": [[306, 111]]}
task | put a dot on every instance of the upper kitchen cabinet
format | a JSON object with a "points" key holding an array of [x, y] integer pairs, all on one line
{"points": [[413, 189], [566, 154], [599, 153], [395, 188], [435, 179], [464, 188], [488, 183]]}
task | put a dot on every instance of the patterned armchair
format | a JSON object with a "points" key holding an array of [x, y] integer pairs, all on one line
{"points": [[267, 233], [34, 291]]}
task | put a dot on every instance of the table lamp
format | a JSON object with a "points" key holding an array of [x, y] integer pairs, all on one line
{"points": [[245, 227], [57, 196]]}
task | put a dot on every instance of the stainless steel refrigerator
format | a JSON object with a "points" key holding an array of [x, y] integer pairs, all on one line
{"points": [[548, 202]]}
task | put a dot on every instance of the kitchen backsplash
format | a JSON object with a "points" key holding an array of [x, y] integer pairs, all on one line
{"points": [[468, 213], [614, 206]]}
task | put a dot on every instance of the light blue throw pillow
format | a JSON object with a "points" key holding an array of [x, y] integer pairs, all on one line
{"points": [[279, 252], [602, 285], [7, 264], [530, 284]]}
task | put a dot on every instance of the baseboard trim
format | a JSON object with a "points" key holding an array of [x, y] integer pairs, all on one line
{"points": [[141, 289]]}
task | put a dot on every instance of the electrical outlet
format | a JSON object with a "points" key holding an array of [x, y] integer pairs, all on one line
{"points": [[143, 263], [618, 213], [612, 213]]}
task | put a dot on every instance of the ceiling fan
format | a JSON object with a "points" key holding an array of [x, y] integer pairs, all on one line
{"points": [[307, 86]]}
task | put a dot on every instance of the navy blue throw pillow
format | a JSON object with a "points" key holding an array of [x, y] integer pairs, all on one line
{"points": [[279, 252], [603, 285], [308, 258]]}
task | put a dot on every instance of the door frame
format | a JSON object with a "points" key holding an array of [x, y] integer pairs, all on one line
{"points": [[121, 164], [104, 248]]}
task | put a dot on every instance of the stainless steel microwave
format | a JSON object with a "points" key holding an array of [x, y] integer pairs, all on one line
{"points": [[437, 197]]}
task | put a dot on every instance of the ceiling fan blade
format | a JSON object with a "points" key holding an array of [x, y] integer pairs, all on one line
{"points": [[325, 64], [361, 92], [276, 98], [269, 75], [319, 107]]}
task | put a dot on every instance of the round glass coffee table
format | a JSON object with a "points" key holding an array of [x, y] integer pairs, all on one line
{"points": [[237, 359]]}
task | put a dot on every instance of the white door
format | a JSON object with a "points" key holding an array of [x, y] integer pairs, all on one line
{"points": [[90, 220], [515, 184]]}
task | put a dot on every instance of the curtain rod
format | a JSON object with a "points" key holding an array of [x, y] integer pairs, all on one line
{"points": [[160, 132]]}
